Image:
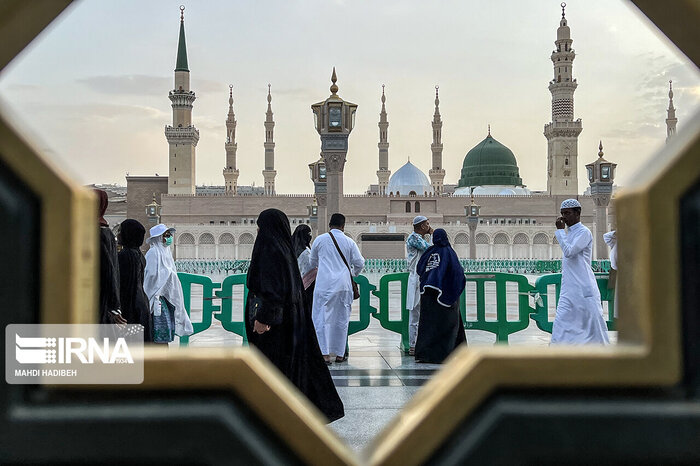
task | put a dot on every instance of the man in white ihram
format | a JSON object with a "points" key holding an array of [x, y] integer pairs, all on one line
{"points": [[579, 318], [333, 292]]}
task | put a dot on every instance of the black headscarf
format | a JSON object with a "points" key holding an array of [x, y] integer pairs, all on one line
{"points": [[134, 302], [109, 264], [273, 274], [131, 233], [301, 239]]}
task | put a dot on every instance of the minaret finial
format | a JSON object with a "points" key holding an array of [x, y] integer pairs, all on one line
{"points": [[437, 98], [182, 13], [383, 96], [600, 150], [670, 89], [489, 125], [269, 94], [563, 5], [334, 78]]}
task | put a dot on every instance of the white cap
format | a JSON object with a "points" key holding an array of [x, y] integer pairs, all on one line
{"points": [[570, 204], [159, 230], [419, 219]]}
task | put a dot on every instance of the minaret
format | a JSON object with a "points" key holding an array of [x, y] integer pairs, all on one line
{"points": [[562, 133], [671, 120], [182, 136], [437, 173], [230, 170], [269, 171], [383, 173]]}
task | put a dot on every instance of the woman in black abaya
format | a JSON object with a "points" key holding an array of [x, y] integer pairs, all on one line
{"points": [[277, 321], [301, 242], [442, 281], [135, 308]]}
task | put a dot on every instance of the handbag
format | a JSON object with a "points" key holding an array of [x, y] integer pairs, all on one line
{"points": [[253, 308], [355, 288]]}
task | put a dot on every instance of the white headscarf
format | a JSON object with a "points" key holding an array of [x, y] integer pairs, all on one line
{"points": [[160, 280]]}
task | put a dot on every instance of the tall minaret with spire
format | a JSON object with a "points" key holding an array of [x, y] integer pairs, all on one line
{"points": [[437, 173], [671, 119], [230, 170], [182, 136], [562, 133], [269, 171], [383, 173]]}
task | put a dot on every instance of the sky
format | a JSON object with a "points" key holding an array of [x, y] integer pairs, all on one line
{"points": [[93, 87]]}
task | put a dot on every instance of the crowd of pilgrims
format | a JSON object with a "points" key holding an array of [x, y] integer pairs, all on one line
{"points": [[299, 295]]}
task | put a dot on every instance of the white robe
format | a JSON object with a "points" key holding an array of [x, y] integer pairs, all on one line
{"points": [[333, 292], [416, 245], [579, 318], [160, 279]]}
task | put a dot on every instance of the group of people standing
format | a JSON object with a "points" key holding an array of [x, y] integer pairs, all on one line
{"points": [[300, 295], [140, 290], [436, 281]]}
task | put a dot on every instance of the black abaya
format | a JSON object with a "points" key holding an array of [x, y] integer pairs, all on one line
{"points": [[290, 344], [440, 329], [134, 302], [109, 276]]}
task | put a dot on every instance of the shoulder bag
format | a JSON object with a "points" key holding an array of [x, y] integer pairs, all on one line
{"points": [[355, 288]]}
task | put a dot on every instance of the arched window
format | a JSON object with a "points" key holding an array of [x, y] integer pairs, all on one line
{"points": [[412, 194], [207, 248], [417, 207], [408, 206]]}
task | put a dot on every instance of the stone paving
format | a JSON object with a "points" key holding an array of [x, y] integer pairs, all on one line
{"points": [[378, 379]]}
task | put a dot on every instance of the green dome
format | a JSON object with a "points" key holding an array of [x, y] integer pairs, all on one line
{"points": [[490, 163]]}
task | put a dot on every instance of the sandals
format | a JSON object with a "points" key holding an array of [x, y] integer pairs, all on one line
{"points": [[339, 359]]}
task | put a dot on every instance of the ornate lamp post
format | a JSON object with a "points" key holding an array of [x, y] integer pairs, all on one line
{"points": [[601, 174], [313, 215], [472, 213], [319, 177], [334, 119], [153, 212]]}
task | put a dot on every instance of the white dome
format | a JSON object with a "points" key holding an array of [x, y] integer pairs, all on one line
{"points": [[409, 179]]}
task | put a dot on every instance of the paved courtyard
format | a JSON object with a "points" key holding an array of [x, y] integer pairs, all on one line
{"points": [[378, 379]]}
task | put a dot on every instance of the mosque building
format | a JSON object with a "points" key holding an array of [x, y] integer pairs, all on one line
{"points": [[513, 222]]}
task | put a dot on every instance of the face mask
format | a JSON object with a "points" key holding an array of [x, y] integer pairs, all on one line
{"points": [[168, 240]]}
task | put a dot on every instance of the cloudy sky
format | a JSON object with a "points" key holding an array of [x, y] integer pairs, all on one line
{"points": [[93, 87]]}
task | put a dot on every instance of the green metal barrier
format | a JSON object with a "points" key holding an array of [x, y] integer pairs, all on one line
{"points": [[224, 291], [226, 295], [398, 326], [501, 327], [541, 314], [208, 306]]}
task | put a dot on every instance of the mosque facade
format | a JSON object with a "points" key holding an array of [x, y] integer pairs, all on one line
{"points": [[514, 222]]}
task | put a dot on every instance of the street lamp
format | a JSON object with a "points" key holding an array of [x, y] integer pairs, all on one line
{"points": [[334, 119], [153, 211], [472, 213], [601, 175]]}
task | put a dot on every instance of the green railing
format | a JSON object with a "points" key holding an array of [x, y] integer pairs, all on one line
{"points": [[523, 266], [546, 287]]}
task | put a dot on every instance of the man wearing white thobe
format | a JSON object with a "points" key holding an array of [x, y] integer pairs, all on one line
{"points": [[579, 318], [415, 247], [333, 292]]}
